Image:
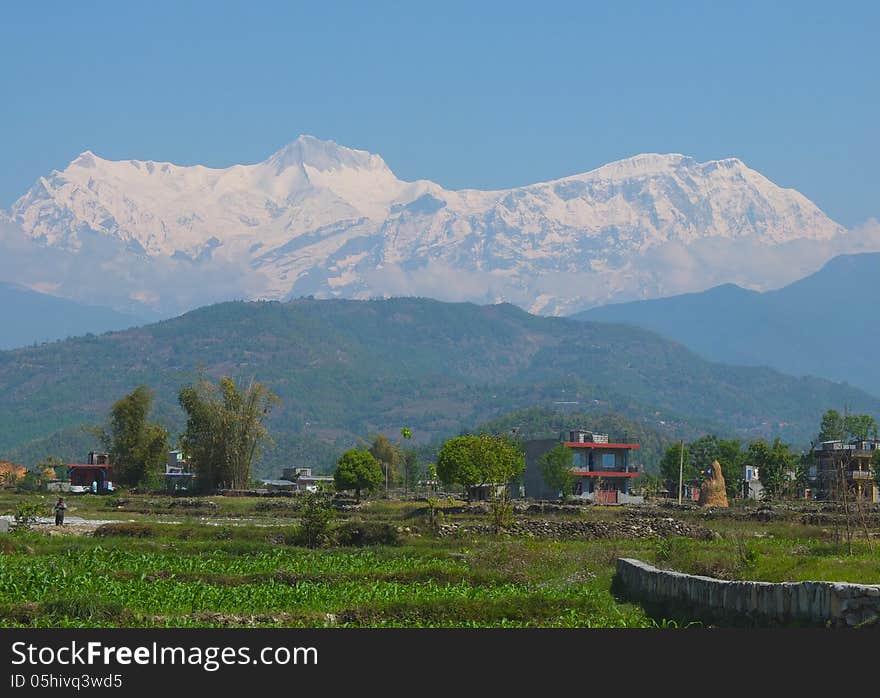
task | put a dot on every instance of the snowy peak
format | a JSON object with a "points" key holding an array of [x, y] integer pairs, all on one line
{"points": [[323, 156], [319, 218]]}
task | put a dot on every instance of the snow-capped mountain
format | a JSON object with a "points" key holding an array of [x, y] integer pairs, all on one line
{"points": [[319, 218]]}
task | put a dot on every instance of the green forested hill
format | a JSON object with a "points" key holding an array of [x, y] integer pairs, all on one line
{"points": [[347, 369]]}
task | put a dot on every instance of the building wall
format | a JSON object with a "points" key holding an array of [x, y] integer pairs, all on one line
{"points": [[534, 485], [582, 459]]}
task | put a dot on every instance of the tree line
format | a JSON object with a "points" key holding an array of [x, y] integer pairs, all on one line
{"points": [[782, 471], [225, 433]]}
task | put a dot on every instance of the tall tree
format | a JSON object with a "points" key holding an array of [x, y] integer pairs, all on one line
{"points": [[776, 466], [357, 470], [704, 450], [457, 464], [389, 457], [732, 458], [411, 467], [479, 460], [860, 426], [411, 463], [137, 448], [832, 427], [669, 465], [555, 466], [225, 429]]}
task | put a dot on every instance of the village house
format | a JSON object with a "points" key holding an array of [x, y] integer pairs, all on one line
{"points": [[844, 462], [178, 475], [602, 470], [302, 479], [96, 474], [751, 483]]}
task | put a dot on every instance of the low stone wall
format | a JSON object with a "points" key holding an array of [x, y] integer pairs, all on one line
{"points": [[804, 603]]}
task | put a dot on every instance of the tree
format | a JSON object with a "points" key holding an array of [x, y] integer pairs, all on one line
{"points": [[457, 464], [137, 448], [703, 451], [555, 467], [832, 428], [357, 470], [732, 458], [411, 468], [389, 457], [776, 464], [469, 461], [860, 426], [669, 465], [225, 430], [410, 461], [315, 517]]}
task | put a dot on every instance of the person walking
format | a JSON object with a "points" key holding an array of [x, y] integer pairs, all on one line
{"points": [[59, 508]]}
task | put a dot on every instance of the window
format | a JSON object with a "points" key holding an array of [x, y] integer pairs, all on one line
{"points": [[609, 461]]}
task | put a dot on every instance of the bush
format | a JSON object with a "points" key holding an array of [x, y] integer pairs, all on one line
{"points": [[26, 515], [129, 529], [360, 533], [671, 550], [317, 512], [31, 482]]}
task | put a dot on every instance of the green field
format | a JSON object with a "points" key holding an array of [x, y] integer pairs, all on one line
{"points": [[239, 562]]}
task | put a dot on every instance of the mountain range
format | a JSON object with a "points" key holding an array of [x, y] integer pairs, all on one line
{"points": [[317, 218], [821, 325], [28, 317], [347, 369]]}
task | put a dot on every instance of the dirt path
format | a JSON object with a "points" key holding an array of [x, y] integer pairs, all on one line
{"points": [[73, 525]]}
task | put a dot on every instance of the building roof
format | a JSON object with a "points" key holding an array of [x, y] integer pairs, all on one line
{"points": [[88, 465], [600, 446], [604, 473]]}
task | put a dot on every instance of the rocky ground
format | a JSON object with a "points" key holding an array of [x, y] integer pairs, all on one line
{"points": [[631, 526]]}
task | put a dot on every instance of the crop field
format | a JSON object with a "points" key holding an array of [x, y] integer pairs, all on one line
{"points": [[236, 562]]}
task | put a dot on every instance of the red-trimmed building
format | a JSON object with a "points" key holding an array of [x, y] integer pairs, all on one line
{"points": [[98, 470], [602, 469]]}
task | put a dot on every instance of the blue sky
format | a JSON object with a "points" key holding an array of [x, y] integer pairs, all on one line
{"points": [[484, 95]]}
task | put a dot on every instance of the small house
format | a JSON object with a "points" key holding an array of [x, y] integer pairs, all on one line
{"points": [[95, 475], [602, 470]]}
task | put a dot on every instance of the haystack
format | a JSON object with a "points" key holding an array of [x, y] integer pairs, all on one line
{"points": [[713, 491]]}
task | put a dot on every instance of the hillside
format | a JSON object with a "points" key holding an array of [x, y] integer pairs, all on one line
{"points": [[27, 317], [820, 325], [346, 369]]}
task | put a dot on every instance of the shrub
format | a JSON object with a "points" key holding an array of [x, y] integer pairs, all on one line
{"points": [[360, 533], [26, 515], [129, 529], [317, 512]]}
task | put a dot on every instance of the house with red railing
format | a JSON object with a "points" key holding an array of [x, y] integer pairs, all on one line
{"points": [[602, 470]]}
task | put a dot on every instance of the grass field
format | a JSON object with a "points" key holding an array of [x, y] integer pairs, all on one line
{"points": [[239, 562]]}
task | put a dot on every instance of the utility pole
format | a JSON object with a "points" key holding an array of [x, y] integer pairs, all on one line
{"points": [[680, 468]]}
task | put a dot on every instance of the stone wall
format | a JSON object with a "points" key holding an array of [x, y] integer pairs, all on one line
{"points": [[757, 603]]}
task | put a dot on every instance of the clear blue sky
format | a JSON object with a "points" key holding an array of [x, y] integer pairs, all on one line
{"points": [[483, 95]]}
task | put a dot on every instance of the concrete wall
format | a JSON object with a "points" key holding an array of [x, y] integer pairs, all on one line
{"points": [[805, 603], [535, 487]]}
